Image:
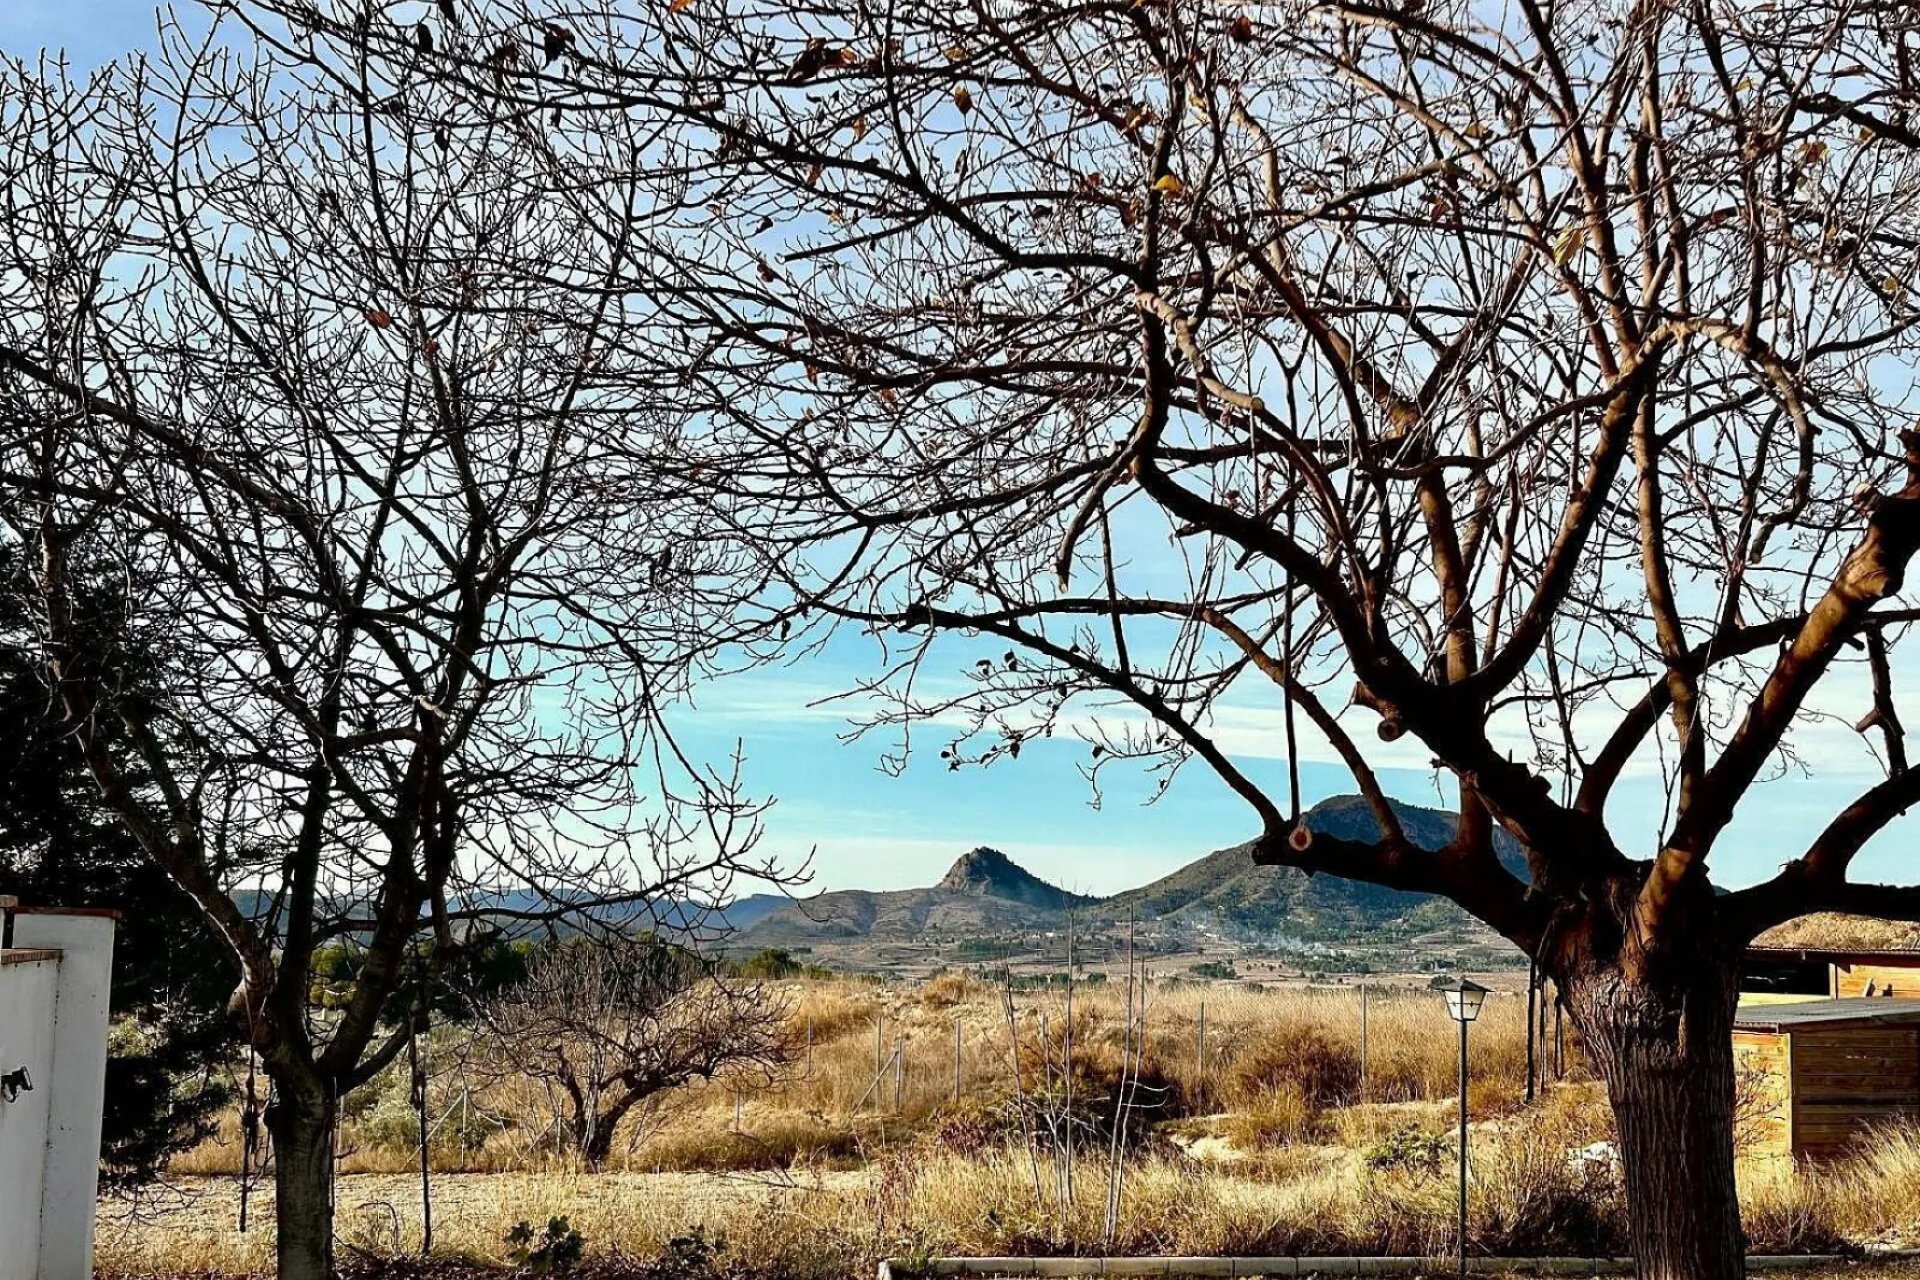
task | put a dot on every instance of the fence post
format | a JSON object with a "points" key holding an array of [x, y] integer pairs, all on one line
{"points": [[956, 1062], [1200, 1052], [1533, 994], [1559, 1041]]}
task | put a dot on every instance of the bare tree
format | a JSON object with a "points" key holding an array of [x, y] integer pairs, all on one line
{"points": [[607, 1027], [1541, 373], [295, 349]]}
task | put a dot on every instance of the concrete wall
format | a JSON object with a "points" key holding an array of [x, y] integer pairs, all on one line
{"points": [[53, 1021]]}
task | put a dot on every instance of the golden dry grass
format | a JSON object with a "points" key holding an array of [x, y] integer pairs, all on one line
{"points": [[922, 1198], [1280, 1059], [1274, 1144]]}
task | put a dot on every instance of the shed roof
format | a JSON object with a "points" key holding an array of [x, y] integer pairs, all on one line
{"points": [[1828, 1015], [1838, 932]]}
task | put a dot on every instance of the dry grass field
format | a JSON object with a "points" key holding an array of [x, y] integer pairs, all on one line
{"points": [[1130, 1139]]}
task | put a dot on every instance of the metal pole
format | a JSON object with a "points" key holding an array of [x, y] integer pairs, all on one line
{"points": [[1533, 992], [417, 1086], [1463, 1146]]}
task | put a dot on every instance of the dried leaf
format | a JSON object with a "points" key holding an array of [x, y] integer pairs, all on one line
{"points": [[680, 6], [378, 318], [1569, 242], [1168, 185], [1241, 29], [963, 100]]}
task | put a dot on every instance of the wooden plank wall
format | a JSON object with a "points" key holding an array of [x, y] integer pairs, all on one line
{"points": [[1848, 1080], [1854, 979], [1763, 1113]]}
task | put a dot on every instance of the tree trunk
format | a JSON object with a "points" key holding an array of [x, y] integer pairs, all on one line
{"points": [[302, 1124], [1665, 1049], [596, 1143]]}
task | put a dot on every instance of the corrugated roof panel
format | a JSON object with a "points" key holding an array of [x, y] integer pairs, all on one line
{"points": [[1864, 1011]]}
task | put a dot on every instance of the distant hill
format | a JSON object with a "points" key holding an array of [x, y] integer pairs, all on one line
{"points": [[984, 892], [1228, 892], [987, 893], [693, 923]]}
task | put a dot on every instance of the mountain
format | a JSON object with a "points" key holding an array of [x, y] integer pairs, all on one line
{"points": [[742, 912], [1227, 892], [984, 892], [990, 873]]}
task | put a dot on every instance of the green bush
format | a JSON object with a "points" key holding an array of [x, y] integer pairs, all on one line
{"points": [[1408, 1149]]}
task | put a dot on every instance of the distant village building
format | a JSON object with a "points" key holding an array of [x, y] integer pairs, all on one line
{"points": [[1835, 955]]}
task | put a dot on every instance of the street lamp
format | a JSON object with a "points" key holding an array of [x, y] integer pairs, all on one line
{"points": [[1464, 997]]}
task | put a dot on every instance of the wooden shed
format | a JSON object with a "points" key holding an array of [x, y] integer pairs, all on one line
{"points": [[1836, 955], [1815, 1075]]}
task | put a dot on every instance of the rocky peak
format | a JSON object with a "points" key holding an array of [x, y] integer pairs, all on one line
{"points": [[989, 873]]}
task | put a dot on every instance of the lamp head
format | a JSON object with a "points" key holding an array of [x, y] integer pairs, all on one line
{"points": [[1464, 997]]}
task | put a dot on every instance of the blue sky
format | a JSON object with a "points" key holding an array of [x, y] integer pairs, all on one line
{"points": [[874, 830], [878, 831], [90, 31]]}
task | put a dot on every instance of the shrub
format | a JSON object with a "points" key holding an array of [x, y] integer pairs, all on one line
{"points": [[1278, 1116], [555, 1247], [1300, 1055], [946, 990]]}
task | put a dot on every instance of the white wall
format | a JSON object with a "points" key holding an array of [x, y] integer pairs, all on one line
{"points": [[26, 1040], [53, 1021]]}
